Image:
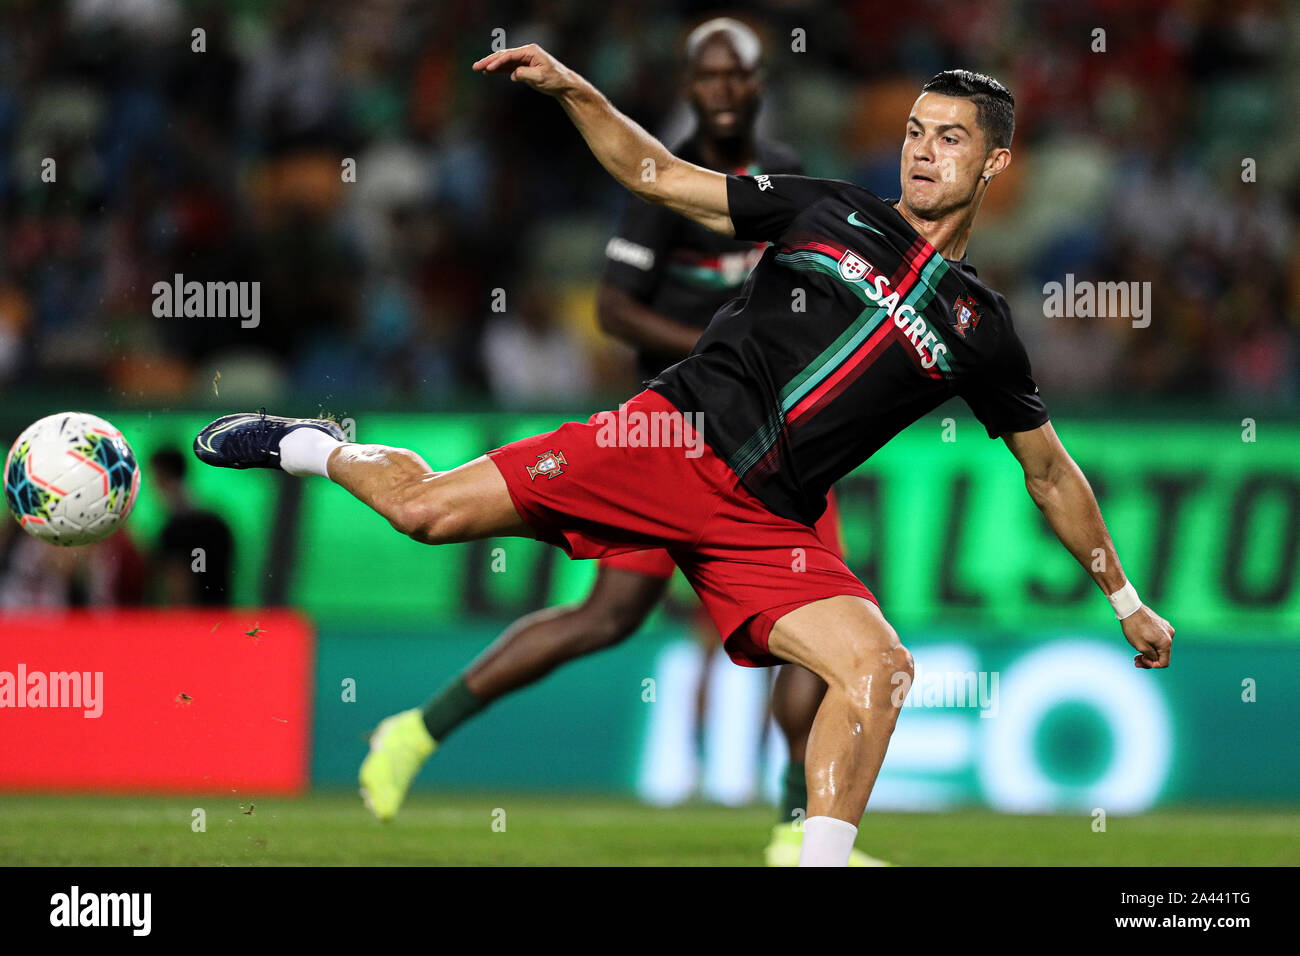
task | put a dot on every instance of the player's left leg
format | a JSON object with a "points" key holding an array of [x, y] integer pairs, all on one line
{"points": [[796, 695], [847, 642]]}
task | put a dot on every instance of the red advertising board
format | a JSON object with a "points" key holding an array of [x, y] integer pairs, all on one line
{"points": [[156, 700]]}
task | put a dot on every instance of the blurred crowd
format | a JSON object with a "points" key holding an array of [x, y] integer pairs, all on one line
{"points": [[461, 263]]}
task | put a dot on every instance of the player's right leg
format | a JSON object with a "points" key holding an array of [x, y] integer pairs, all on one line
{"points": [[463, 504], [532, 647]]}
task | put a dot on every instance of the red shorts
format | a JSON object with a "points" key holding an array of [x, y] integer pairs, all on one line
{"points": [[596, 493], [658, 563], [652, 562]]}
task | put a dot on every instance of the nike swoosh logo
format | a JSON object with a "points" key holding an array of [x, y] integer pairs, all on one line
{"points": [[855, 221], [206, 443]]}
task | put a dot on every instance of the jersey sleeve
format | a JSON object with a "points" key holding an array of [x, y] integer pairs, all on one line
{"points": [[1004, 397], [762, 207], [634, 257]]}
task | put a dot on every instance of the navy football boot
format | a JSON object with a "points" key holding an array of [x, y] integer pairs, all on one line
{"points": [[252, 440]]}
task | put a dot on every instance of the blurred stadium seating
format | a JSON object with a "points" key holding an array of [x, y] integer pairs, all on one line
{"points": [[225, 164]]}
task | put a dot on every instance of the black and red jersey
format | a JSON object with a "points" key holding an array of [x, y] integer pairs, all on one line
{"points": [[851, 327], [677, 267]]}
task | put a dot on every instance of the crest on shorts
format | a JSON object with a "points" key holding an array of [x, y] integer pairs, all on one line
{"points": [[853, 267], [548, 464], [966, 315]]}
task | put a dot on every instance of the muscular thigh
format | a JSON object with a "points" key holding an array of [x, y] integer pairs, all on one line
{"points": [[836, 635], [476, 495], [752, 567]]}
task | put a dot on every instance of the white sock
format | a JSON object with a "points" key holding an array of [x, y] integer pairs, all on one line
{"points": [[827, 842], [304, 451]]}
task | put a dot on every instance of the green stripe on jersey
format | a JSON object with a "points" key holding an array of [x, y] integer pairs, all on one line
{"points": [[839, 351]]}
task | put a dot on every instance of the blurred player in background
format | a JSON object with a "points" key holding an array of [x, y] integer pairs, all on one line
{"points": [[194, 556], [665, 277]]}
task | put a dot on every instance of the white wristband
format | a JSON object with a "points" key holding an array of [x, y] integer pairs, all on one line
{"points": [[1125, 601]]}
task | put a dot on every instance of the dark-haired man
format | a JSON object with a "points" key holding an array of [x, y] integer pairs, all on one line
{"points": [[784, 402], [665, 278]]}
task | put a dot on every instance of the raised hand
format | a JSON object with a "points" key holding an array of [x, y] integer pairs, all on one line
{"points": [[532, 65]]}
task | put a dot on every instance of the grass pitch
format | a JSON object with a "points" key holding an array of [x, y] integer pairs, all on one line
{"points": [[328, 829]]}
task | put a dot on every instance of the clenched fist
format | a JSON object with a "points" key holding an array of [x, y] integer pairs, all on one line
{"points": [[1151, 635]]}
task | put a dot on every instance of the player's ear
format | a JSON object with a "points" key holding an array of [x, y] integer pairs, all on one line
{"points": [[998, 160]]}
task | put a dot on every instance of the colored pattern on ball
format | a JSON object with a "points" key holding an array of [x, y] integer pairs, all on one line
{"points": [[112, 454], [26, 499]]}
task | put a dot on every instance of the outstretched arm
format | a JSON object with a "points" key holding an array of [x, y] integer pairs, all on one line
{"points": [[636, 159], [1065, 498]]}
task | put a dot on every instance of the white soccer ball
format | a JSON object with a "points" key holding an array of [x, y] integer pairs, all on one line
{"points": [[71, 479]]}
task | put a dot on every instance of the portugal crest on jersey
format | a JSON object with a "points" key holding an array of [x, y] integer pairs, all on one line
{"points": [[853, 267], [548, 465], [966, 315]]}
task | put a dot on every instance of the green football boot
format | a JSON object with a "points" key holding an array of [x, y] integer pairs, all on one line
{"points": [[786, 842], [398, 749]]}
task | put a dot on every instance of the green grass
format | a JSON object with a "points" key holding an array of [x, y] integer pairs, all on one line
{"points": [[333, 829]]}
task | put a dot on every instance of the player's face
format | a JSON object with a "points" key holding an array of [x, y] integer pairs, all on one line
{"points": [[724, 92], [943, 155]]}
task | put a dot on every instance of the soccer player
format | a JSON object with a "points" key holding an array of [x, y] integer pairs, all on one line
{"points": [[774, 404], [665, 277]]}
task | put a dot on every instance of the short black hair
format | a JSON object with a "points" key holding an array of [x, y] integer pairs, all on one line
{"points": [[168, 463], [995, 106]]}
